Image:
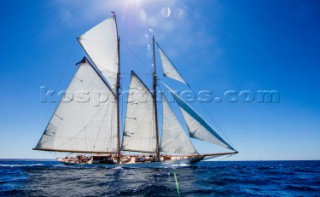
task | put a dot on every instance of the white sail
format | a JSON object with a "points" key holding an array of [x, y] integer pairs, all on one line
{"points": [[168, 68], [197, 126], [174, 140], [87, 123], [101, 44], [139, 133]]}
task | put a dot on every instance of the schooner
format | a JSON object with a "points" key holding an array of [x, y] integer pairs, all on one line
{"points": [[78, 127]]}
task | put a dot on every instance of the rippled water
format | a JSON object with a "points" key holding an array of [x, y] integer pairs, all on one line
{"points": [[261, 178]]}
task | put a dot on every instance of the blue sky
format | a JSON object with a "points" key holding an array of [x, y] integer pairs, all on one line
{"points": [[216, 45]]}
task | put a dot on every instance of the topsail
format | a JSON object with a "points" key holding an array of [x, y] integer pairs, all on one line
{"points": [[101, 44], [168, 68]]}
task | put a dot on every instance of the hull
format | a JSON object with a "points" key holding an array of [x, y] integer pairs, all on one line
{"points": [[163, 163], [139, 160]]}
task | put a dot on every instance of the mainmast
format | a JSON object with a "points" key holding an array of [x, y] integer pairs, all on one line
{"points": [[155, 96], [118, 86]]}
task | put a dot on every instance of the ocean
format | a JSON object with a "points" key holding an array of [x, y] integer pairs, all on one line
{"points": [[210, 178]]}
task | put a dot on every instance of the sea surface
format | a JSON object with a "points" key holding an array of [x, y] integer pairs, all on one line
{"points": [[211, 178]]}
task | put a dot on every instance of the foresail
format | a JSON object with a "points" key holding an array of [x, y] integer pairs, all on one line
{"points": [[139, 133], [168, 68], [174, 140], [101, 44], [85, 119], [197, 126]]}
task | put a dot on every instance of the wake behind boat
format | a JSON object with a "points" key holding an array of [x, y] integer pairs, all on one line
{"points": [[79, 127]]}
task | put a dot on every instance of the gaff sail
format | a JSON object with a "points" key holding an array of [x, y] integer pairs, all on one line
{"points": [[85, 124]]}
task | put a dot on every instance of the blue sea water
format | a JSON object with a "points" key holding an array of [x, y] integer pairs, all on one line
{"points": [[221, 178]]}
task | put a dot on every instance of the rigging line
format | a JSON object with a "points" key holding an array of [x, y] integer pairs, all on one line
{"points": [[59, 79], [65, 65], [202, 105], [135, 55], [213, 119], [223, 157], [216, 123], [219, 133]]}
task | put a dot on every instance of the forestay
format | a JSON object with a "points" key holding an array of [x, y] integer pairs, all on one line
{"points": [[101, 44], [139, 130], [168, 68], [174, 140], [197, 126], [84, 120]]}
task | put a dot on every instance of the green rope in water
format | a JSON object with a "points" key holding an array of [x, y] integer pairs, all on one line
{"points": [[177, 184]]}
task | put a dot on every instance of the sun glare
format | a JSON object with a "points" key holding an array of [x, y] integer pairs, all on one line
{"points": [[136, 3]]}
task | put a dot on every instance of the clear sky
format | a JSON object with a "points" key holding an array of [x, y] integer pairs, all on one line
{"points": [[216, 45]]}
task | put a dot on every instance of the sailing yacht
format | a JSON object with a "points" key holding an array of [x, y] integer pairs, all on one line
{"points": [[94, 131]]}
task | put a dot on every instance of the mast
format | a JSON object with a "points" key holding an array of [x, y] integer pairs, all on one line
{"points": [[118, 86], [155, 96]]}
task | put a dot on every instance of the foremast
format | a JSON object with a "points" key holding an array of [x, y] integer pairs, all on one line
{"points": [[155, 97]]}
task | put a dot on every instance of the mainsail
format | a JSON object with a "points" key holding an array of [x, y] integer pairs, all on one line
{"points": [[87, 123], [168, 68], [101, 44], [174, 140], [197, 126], [139, 133]]}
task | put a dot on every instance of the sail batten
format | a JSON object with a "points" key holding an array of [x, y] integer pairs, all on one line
{"points": [[139, 133], [85, 123], [174, 140], [197, 126], [169, 70], [101, 45]]}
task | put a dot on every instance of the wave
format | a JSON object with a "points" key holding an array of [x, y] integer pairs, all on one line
{"points": [[117, 168], [21, 165], [301, 188]]}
